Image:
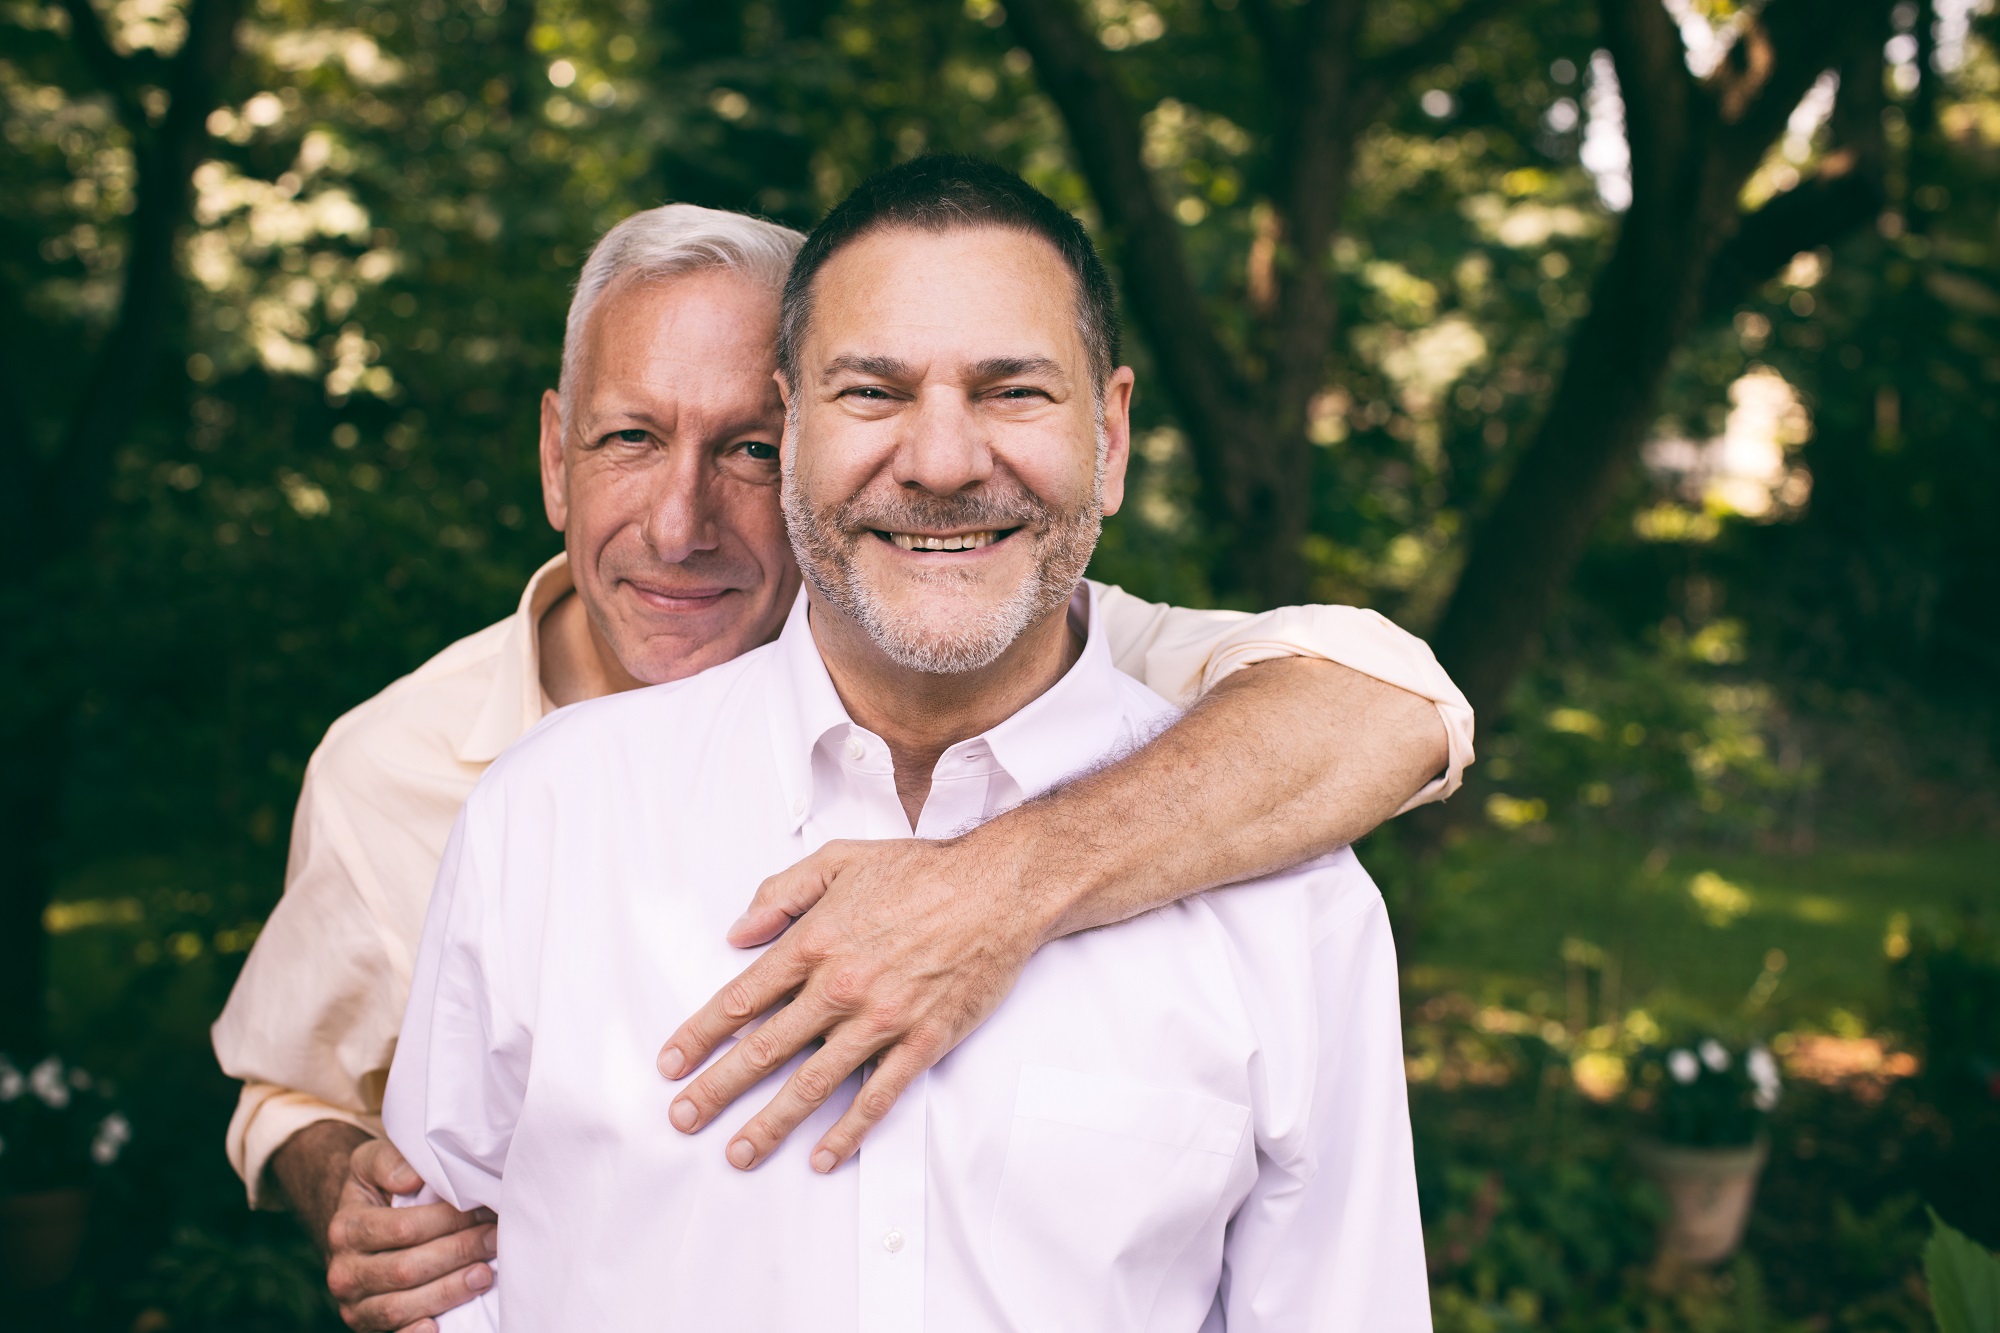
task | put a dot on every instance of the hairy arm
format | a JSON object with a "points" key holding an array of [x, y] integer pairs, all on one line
{"points": [[898, 949]]}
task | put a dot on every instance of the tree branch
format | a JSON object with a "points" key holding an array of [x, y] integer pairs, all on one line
{"points": [[1384, 73], [113, 391], [1819, 212], [1655, 87], [1278, 48], [1104, 130], [1844, 195], [113, 72]]}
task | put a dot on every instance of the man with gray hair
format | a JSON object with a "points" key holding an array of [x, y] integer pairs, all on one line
{"points": [[660, 465], [1190, 1121]]}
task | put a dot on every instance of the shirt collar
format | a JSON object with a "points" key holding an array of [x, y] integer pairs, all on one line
{"points": [[513, 701], [1056, 736]]}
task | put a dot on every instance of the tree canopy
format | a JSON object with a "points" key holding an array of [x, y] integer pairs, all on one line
{"points": [[1572, 332]]}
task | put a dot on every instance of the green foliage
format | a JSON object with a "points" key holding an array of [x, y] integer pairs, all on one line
{"points": [[1699, 1093], [1949, 984], [59, 1126], [1666, 741], [216, 1285], [334, 477], [1964, 1281]]}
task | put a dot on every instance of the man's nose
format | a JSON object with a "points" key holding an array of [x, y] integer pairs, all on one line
{"points": [[943, 448], [681, 517]]}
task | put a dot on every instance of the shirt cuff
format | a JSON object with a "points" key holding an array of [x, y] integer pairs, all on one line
{"points": [[266, 1118], [1365, 641]]}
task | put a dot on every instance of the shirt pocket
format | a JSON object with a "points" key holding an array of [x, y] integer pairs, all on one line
{"points": [[1106, 1183]]}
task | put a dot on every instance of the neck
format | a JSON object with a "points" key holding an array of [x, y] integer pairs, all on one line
{"points": [[921, 715], [576, 661]]}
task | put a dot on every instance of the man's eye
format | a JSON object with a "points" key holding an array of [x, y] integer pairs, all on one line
{"points": [[762, 452], [627, 437], [1018, 394], [869, 392]]}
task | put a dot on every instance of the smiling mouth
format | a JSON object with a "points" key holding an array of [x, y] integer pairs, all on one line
{"points": [[957, 541]]}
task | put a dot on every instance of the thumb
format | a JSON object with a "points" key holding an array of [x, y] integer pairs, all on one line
{"points": [[379, 1163], [783, 898]]}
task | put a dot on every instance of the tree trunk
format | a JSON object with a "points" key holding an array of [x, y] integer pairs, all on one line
{"points": [[1682, 250], [71, 488]]}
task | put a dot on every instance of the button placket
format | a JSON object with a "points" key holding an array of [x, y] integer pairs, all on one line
{"points": [[892, 1185]]}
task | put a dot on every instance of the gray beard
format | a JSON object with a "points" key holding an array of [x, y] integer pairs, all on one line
{"points": [[953, 638]]}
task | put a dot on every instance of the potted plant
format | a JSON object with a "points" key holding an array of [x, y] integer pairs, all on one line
{"points": [[1706, 1107], [57, 1128]]}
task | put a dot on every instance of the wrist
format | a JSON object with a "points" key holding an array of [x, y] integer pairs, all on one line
{"points": [[1045, 876]]}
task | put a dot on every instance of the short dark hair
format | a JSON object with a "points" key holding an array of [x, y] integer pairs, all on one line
{"points": [[943, 192]]}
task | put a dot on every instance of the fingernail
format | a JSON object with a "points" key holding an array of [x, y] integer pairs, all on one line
{"points": [[479, 1278], [672, 1063], [740, 1153], [742, 924], [683, 1115], [824, 1161], [491, 1244]]}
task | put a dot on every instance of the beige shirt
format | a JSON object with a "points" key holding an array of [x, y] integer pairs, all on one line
{"points": [[311, 1025]]}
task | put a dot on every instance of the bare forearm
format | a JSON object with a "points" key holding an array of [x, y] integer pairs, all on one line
{"points": [[311, 1169], [1280, 763]]}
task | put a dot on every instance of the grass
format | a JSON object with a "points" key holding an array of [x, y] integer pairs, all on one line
{"points": [[1571, 926], [1775, 942]]}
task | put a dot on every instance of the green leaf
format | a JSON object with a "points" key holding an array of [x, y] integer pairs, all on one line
{"points": [[1964, 1280]]}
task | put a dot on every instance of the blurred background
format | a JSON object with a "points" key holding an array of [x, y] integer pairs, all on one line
{"points": [[1644, 356]]}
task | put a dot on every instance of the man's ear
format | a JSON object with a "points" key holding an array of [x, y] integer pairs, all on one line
{"points": [[785, 441], [1117, 436], [555, 477]]}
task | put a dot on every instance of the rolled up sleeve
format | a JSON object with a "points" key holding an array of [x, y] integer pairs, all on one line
{"points": [[1181, 654], [311, 1022]]}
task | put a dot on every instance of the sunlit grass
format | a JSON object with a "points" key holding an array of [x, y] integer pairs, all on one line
{"points": [[1774, 942]]}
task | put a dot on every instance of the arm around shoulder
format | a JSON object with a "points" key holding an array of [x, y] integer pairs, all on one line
{"points": [[1183, 654]]}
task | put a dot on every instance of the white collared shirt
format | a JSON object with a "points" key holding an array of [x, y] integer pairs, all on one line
{"points": [[312, 1021], [1190, 1121]]}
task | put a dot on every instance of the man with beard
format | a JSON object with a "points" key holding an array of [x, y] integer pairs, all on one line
{"points": [[1193, 1120]]}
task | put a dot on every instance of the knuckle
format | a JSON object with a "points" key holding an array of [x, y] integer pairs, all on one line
{"points": [[888, 1016], [738, 1003], [845, 986], [813, 1083], [341, 1281], [374, 1315], [400, 1272], [760, 1050], [874, 1101], [926, 1040]]}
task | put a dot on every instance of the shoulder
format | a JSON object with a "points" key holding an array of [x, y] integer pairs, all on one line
{"points": [[660, 727], [1322, 898], [414, 728]]}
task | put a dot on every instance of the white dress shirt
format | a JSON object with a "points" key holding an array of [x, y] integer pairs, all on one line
{"points": [[1195, 1120], [312, 1021]]}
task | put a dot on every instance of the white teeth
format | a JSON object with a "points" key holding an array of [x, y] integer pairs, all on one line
{"points": [[965, 541]]}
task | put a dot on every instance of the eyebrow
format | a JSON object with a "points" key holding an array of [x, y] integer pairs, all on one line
{"points": [[873, 367], [992, 368]]}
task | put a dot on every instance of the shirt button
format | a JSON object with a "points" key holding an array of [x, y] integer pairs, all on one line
{"points": [[855, 749], [799, 808], [892, 1240]]}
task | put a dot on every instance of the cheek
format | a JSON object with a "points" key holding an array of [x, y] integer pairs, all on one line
{"points": [[754, 518]]}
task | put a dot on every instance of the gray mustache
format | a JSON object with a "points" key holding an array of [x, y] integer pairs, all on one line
{"points": [[943, 511]]}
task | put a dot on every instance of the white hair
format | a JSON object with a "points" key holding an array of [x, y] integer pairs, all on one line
{"points": [[671, 239]]}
